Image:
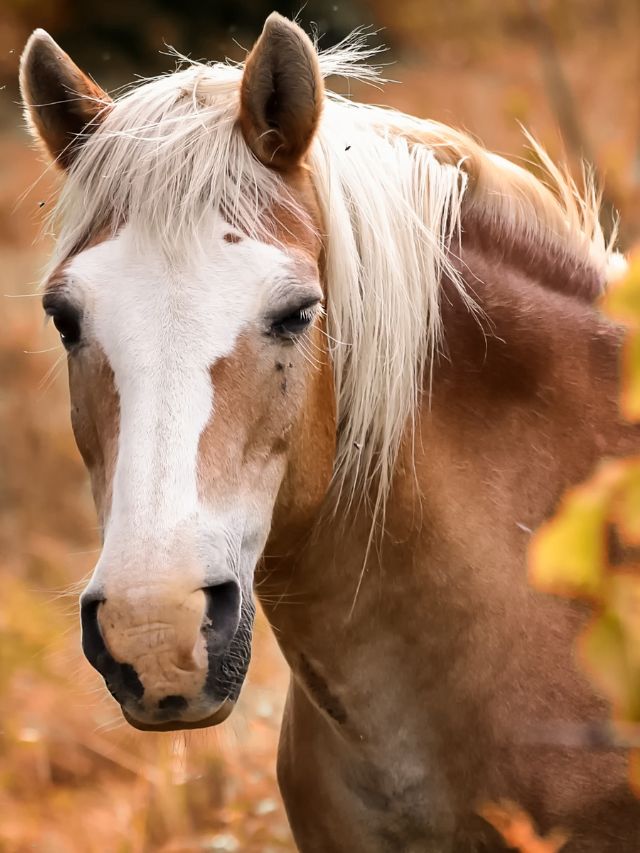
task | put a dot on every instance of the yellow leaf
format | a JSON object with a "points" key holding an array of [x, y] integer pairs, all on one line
{"points": [[630, 398], [517, 829], [622, 300], [568, 553], [605, 653], [624, 600], [626, 509]]}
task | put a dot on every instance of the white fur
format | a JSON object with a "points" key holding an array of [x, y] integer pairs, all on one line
{"points": [[162, 330], [617, 268]]}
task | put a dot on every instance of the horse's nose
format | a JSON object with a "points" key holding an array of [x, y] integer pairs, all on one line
{"points": [[154, 648]]}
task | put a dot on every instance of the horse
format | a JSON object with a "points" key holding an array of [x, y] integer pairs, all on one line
{"points": [[345, 360]]}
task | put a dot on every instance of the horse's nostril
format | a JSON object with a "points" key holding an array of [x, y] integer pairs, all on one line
{"points": [[172, 703], [222, 615], [92, 643], [121, 678]]}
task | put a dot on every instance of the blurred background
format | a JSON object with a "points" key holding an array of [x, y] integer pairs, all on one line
{"points": [[73, 777]]}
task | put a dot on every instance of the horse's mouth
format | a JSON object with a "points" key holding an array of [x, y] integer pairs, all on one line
{"points": [[218, 716]]}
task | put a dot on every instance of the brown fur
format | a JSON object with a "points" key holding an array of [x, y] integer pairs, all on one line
{"points": [[63, 103], [450, 662], [95, 416]]}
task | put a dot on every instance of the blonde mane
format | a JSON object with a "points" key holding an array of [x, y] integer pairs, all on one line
{"points": [[392, 190]]}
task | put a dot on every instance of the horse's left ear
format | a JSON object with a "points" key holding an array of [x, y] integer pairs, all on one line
{"points": [[282, 94], [61, 103]]}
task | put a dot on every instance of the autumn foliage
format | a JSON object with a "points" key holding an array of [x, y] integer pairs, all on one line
{"points": [[573, 554], [518, 831]]}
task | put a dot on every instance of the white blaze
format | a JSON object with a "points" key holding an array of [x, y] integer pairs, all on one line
{"points": [[161, 331]]}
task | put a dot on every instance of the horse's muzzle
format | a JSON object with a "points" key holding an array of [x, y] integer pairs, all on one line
{"points": [[171, 664]]}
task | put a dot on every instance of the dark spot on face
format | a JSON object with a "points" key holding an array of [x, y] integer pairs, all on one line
{"points": [[320, 691], [279, 365], [232, 238], [280, 445]]}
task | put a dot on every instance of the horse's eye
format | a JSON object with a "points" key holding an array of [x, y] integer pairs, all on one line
{"points": [[66, 319], [293, 324]]}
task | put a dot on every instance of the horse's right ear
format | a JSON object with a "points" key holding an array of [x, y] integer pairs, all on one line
{"points": [[61, 103]]}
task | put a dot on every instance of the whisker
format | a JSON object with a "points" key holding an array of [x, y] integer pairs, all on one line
{"points": [[40, 351], [51, 375]]}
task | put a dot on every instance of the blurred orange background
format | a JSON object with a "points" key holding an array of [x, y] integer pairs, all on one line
{"points": [[73, 777]]}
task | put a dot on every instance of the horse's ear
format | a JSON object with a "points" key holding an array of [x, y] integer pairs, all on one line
{"points": [[282, 94], [61, 103]]}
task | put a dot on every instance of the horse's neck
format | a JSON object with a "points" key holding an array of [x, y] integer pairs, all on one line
{"points": [[541, 260], [523, 403]]}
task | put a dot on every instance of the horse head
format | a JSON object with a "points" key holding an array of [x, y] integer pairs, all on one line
{"points": [[187, 291]]}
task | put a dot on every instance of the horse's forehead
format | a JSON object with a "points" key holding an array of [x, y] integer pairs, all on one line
{"points": [[154, 315], [140, 304], [222, 249]]}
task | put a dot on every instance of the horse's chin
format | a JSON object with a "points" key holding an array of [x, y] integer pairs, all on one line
{"points": [[219, 716]]}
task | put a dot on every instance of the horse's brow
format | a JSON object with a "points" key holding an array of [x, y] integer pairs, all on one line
{"points": [[58, 278], [303, 267]]}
